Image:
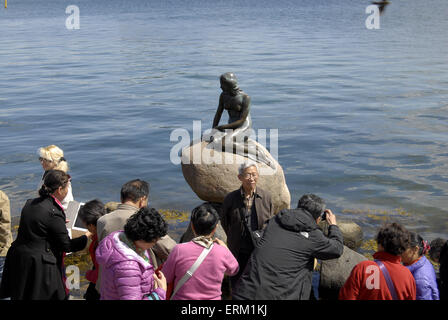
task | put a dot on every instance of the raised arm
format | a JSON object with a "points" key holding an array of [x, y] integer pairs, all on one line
{"points": [[59, 235]]}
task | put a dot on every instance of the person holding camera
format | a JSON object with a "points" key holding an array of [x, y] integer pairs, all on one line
{"points": [[281, 266]]}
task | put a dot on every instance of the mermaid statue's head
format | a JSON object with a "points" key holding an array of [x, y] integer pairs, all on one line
{"points": [[229, 83]]}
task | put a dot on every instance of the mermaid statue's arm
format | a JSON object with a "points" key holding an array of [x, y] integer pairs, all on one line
{"points": [[218, 114]]}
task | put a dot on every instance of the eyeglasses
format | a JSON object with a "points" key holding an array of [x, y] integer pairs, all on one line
{"points": [[43, 159], [248, 175]]}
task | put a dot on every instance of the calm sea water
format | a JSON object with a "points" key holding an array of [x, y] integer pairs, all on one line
{"points": [[362, 114]]}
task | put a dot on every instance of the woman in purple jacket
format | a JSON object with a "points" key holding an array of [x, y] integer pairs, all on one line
{"points": [[422, 270], [127, 273]]}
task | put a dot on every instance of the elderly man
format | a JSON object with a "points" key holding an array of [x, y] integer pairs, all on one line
{"points": [[244, 213], [134, 195], [281, 266]]}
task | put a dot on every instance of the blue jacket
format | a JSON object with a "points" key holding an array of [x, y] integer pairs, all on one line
{"points": [[425, 279]]}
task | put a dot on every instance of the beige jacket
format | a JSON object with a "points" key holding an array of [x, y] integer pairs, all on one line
{"points": [[5, 224]]}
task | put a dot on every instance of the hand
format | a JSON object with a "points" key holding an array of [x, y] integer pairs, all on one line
{"points": [[330, 217], [88, 234], [67, 221], [160, 280], [220, 242]]}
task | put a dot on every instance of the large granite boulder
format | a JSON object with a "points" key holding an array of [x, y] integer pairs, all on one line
{"points": [[351, 232], [213, 174], [334, 273], [5, 224]]}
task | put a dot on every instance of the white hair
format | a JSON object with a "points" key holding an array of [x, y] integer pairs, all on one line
{"points": [[245, 165]]}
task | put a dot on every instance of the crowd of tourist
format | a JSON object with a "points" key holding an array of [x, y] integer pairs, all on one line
{"points": [[267, 255]]}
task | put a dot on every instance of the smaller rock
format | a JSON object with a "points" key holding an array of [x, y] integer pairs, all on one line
{"points": [[351, 232], [334, 273]]}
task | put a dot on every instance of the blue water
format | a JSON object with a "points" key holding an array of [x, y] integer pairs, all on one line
{"points": [[362, 114]]}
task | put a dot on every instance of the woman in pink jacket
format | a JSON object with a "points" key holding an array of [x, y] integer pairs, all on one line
{"points": [[205, 284], [128, 273]]}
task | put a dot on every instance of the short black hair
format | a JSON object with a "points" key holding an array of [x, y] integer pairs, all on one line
{"points": [[394, 238], [134, 190], [204, 219], [91, 211], [146, 224], [415, 240], [436, 248], [313, 204]]}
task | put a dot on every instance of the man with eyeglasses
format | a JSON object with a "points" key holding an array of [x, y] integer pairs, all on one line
{"points": [[245, 212]]}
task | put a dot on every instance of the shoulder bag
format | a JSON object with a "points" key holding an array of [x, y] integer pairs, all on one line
{"points": [[389, 282], [191, 271]]}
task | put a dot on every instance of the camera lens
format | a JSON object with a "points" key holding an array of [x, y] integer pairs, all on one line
{"points": [[324, 216]]}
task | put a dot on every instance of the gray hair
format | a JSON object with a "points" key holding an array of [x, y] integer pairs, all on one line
{"points": [[245, 165]]}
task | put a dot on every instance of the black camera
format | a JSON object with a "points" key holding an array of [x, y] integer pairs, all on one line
{"points": [[323, 217]]}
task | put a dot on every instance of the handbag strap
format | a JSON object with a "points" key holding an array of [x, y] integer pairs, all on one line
{"points": [[389, 282], [193, 268]]}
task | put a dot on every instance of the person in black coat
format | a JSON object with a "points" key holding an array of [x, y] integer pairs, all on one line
{"points": [[34, 263], [439, 253], [281, 265]]}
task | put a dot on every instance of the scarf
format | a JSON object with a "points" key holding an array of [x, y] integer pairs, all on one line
{"points": [[131, 245], [203, 241]]}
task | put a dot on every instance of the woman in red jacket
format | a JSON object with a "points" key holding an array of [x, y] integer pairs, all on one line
{"points": [[385, 278]]}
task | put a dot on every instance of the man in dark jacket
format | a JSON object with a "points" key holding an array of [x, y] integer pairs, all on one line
{"points": [[244, 212], [281, 266]]}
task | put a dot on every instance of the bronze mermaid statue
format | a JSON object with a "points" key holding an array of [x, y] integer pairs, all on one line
{"points": [[239, 127]]}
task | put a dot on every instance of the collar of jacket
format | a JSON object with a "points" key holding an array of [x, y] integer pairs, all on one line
{"points": [[51, 200], [142, 253], [128, 251], [124, 206], [256, 194], [417, 264], [58, 203], [385, 256]]}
